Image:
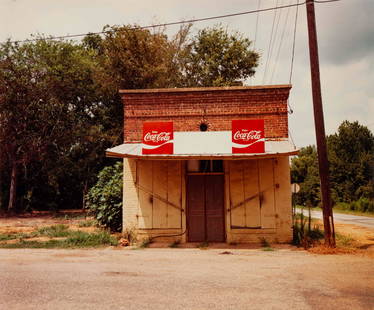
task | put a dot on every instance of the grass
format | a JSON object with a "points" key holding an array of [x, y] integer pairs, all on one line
{"points": [[344, 240], [87, 223], [72, 238], [54, 231]]}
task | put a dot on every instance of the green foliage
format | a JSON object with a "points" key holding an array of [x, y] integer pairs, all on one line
{"points": [[361, 205], [48, 133], [105, 197], [303, 234], [59, 230], [351, 157], [87, 223], [217, 58], [60, 107], [75, 239], [304, 171]]}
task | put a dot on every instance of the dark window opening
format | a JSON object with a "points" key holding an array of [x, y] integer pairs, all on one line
{"points": [[211, 166], [203, 127]]}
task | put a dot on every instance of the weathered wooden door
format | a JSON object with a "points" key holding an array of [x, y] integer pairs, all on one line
{"points": [[205, 203]]}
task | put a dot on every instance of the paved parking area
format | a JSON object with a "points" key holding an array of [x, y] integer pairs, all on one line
{"points": [[183, 279]]}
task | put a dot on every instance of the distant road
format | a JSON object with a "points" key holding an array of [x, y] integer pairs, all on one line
{"points": [[364, 221]]}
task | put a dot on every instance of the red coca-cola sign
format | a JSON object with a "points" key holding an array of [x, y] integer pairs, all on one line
{"points": [[158, 138], [248, 136]]}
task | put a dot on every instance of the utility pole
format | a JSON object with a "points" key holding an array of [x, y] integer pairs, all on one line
{"points": [[328, 221]]}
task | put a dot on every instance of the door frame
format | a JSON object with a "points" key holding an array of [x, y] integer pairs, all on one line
{"points": [[187, 174]]}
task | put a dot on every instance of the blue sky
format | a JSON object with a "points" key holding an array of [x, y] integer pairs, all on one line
{"points": [[345, 34]]}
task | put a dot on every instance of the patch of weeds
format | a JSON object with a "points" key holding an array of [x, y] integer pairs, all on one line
{"points": [[22, 244], [84, 239], [175, 244], [87, 223], [146, 243], [203, 245], [129, 233], [5, 237], [76, 239], [54, 231], [344, 240], [70, 216]]}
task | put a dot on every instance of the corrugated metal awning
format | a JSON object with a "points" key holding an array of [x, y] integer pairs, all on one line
{"points": [[208, 144]]}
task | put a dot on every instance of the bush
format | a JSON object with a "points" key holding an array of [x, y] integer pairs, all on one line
{"points": [[361, 205], [105, 197]]}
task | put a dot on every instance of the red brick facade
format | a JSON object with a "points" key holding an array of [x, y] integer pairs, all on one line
{"points": [[189, 107]]}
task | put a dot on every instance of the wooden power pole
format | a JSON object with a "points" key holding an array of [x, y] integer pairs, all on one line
{"points": [[328, 221]]}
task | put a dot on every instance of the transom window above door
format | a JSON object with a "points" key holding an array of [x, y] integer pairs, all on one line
{"points": [[207, 166]]}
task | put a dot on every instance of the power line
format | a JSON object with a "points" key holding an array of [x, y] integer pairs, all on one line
{"points": [[258, 14], [294, 41], [172, 23], [270, 43], [280, 44]]}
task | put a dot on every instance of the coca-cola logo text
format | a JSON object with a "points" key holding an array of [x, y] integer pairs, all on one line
{"points": [[157, 137], [247, 135]]}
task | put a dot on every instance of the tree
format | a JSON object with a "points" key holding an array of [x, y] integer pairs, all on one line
{"points": [[46, 94], [218, 58], [351, 154], [351, 157], [304, 171]]}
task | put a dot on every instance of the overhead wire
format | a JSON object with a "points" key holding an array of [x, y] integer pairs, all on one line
{"points": [[270, 41], [256, 30], [280, 44], [290, 111], [275, 39], [170, 23]]}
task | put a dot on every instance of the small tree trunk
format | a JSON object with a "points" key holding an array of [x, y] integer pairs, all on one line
{"points": [[13, 188]]}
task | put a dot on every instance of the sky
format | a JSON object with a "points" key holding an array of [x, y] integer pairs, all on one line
{"points": [[345, 38]]}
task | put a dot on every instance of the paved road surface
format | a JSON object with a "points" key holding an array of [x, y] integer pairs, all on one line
{"points": [[363, 221], [162, 279]]}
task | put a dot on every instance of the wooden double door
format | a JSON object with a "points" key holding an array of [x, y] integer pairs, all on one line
{"points": [[205, 208]]}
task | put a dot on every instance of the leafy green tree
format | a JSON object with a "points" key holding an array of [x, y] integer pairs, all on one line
{"points": [[105, 197], [351, 155], [217, 58], [304, 171], [47, 96]]}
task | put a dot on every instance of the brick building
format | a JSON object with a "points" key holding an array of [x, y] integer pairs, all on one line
{"points": [[218, 171]]}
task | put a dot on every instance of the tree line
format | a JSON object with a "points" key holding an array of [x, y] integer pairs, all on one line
{"points": [[351, 158], [60, 107]]}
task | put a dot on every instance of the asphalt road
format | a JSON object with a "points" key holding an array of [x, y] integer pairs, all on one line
{"points": [[161, 279], [364, 221]]}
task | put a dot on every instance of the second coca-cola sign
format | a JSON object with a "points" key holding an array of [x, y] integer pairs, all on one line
{"points": [[248, 136], [158, 138]]}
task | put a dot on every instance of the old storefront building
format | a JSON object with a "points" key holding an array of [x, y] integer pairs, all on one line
{"points": [[207, 164]]}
